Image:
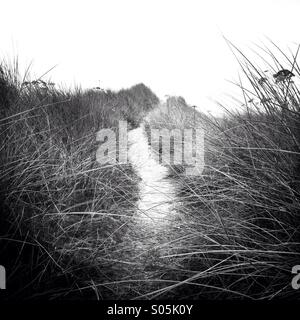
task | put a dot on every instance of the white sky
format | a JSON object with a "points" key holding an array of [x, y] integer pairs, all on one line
{"points": [[173, 46]]}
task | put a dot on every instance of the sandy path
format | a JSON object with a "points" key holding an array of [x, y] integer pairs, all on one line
{"points": [[157, 193]]}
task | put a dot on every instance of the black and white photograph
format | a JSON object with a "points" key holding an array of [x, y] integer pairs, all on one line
{"points": [[150, 154]]}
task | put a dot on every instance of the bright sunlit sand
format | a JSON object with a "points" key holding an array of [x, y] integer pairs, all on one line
{"points": [[156, 204]]}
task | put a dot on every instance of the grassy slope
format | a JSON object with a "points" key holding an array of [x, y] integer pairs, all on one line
{"points": [[51, 184], [240, 220], [237, 234]]}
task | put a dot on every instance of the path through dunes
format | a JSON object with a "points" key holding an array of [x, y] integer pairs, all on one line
{"points": [[157, 231], [145, 250], [156, 204], [139, 256]]}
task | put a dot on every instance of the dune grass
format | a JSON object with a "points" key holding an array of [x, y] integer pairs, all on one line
{"points": [[60, 209], [240, 221], [67, 228]]}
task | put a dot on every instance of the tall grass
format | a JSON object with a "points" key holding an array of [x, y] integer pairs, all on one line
{"points": [[59, 208], [68, 230], [240, 222]]}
